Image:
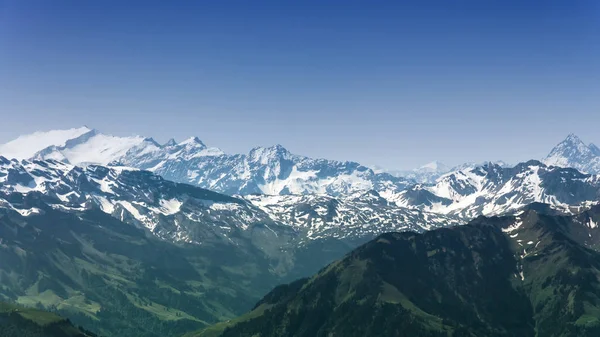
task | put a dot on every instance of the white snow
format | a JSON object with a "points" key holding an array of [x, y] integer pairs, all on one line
{"points": [[27, 211], [100, 149], [349, 215], [27, 146], [217, 206], [573, 152], [170, 206], [65, 197], [105, 185], [146, 147], [513, 227], [191, 141], [445, 189], [106, 205], [295, 182], [191, 174], [132, 210], [306, 182]]}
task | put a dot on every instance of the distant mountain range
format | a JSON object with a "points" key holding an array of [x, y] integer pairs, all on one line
{"points": [[492, 190], [532, 274], [271, 170], [462, 192], [429, 173], [175, 211]]}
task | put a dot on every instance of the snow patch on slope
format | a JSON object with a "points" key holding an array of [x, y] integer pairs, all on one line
{"points": [[170, 206]]}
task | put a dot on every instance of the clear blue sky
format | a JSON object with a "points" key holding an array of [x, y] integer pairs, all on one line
{"points": [[396, 83]]}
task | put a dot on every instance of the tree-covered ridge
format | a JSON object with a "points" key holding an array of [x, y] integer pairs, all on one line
{"points": [[17, 321], [526, 275]]}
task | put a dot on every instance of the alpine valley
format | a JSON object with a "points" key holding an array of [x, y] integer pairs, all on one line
{"points": [[129, 237]]}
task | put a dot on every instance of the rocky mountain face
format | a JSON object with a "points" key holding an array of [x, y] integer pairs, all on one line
{"points": [[532, 274], [573, 152], [357, 216]]}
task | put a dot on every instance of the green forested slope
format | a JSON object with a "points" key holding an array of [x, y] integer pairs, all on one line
{"points": [[529, 275], [17, 321]]}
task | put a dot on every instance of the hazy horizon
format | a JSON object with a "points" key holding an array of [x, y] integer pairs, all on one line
{"points": [[397, 86]]}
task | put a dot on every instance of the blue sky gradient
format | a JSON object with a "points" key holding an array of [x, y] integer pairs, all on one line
{"points": [[396, 84]]}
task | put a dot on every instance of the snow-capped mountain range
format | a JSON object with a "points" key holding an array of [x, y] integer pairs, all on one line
{"points": [[492, 190], [270, 170], [268, 177], [185, 213]]}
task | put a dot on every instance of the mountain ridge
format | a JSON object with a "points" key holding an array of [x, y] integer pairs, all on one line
{"points": [[493, 190], [18, 321], [271, 170], [172, 211]]}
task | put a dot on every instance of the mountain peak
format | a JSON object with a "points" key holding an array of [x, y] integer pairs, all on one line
{"points": [[274, 149], [151, 141], [193, 140], [278, 148], [573, 152], [170, 142], [572, 139], [268, 154]]}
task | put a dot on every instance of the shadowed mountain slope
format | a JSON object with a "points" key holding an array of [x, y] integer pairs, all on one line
{"points": [[526, 275]]}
